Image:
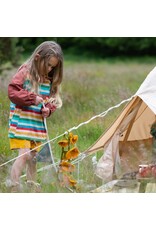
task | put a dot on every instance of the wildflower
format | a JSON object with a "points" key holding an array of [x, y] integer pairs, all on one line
{"points": [[72, 182], [73, 138], [72, 153], [66, 166], [68, 181], [63, 143]]}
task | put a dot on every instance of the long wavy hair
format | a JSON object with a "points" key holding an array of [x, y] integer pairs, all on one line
{"points": [[46, 50]]}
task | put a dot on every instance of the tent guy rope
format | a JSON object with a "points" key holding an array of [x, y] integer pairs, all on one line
{"points": [[103, 114]]}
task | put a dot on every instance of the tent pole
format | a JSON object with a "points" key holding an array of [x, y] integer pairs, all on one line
{"points": [[131, 123]]}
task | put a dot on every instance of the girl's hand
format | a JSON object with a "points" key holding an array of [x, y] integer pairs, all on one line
{"points": [[38, 100], [45, 112]]}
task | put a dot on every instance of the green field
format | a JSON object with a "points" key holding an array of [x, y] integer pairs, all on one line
{"points": [[89, 87]]}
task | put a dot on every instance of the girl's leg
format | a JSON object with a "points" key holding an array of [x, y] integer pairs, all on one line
{"points": [[19, 165], [31, 174], [31, 167]]}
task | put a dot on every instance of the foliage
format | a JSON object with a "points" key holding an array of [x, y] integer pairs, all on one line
{"points": [[153, 130], [98, 46], [4, 114], [9, 51], [11, 48]]}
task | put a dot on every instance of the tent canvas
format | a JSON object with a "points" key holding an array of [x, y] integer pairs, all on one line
{"points": [[128, 141]]}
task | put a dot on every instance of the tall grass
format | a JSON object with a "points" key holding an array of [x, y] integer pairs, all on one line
{"points": [[89, 88]]}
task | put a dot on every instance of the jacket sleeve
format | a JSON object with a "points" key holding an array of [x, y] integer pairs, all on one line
{"points": [[17, 94], [51, 107]]}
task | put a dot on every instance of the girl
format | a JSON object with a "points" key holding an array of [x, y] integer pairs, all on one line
{"points": [[34, 95]]}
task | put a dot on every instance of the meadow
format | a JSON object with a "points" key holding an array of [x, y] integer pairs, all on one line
{"points": [[89, 88]]}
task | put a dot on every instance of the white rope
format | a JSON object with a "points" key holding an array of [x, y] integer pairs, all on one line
{"points": [[5, 163], [51, 153], [73, 128], [76, 161], [101, 114]]}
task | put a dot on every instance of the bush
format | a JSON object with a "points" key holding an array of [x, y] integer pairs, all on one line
{"points": [[9, 51]]}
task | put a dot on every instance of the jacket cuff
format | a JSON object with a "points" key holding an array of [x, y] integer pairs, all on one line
{"points": [[51, 107]]}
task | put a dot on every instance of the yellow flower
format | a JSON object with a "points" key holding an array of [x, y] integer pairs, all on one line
{"points": [[63, 143], [66, 166], [70, 135], [73, 138], [72, 153], [68, 181], [72, 182]]}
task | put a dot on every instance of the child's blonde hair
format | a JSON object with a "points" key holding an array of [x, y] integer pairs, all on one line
{"points": [[46, 50]]}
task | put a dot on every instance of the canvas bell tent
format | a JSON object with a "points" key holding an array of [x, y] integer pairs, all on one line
{"points": [[128, 142]]}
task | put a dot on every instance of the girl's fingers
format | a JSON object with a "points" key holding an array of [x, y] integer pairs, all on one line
{"points": [[45, 112]]}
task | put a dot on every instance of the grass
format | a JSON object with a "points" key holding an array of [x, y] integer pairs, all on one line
{"points": [[89, 88]]}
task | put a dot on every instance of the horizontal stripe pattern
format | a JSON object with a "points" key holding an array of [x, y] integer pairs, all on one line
{"points": [[27, 122]]}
